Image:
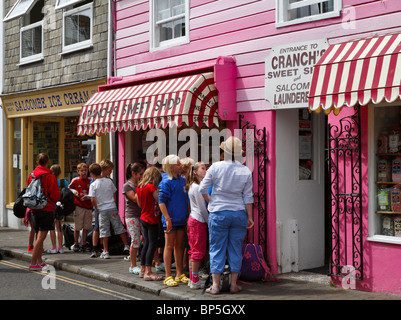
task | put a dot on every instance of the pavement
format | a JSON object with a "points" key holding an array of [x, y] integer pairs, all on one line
{"points": [[289, 286]]}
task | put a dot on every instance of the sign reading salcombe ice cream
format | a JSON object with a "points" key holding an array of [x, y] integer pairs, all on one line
{"points": [[289, 73]]}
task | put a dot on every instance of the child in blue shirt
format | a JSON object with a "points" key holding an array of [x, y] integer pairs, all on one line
{"points": [[174, 205]]}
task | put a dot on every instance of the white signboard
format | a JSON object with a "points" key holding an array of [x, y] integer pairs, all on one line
{"points": [[289, 73]]}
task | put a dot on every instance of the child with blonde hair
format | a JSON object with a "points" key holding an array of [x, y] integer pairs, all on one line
{"points": [[148, 197], [174, 205], [197, 224]]}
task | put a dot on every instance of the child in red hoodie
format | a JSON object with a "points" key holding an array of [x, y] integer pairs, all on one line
{"points": [[83, 206], [43, 219]]}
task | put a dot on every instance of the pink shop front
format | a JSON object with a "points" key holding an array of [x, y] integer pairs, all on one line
{"points": [[358, 85], [202, 100]]}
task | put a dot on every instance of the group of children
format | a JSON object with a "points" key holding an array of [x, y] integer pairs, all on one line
{"points": [[155, 197], [167, 196]]}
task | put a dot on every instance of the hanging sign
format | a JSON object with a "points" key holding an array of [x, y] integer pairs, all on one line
{"points": [[289, 71]]}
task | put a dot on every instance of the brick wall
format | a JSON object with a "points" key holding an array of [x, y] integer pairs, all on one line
{"points": [[55, 69]]}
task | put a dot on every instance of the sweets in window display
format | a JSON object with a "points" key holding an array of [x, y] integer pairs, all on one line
{"points": [[395, 193], [387, 225], [384, 170], [396, 169], [383, 199], [397, 226]]}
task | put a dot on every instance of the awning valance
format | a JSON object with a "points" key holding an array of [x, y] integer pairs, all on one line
{"points": [[362, 71], [190, 100]]}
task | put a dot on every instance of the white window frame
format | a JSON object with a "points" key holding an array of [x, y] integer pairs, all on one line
{"points": [[34, 57], [12, 15], [66, 4], [283, 7], [83, 44], [155, 44]]}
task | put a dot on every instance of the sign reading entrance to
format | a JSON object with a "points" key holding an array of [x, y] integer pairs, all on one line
{"points": [[289, 73]]}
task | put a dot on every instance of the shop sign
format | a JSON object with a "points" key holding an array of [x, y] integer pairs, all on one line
{"points": [[289, 71], [49, 101]]}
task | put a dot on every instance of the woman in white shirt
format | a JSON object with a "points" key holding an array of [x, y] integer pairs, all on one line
{"points": [[230, 209], [197, 224]]}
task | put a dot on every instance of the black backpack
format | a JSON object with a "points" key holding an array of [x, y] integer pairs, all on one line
{"points": [[67, 202], [19, 209]]}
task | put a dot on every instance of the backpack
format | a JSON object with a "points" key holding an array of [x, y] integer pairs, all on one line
{"points": [[225, 279], [68, 233], [254, 266], [33, 197], [19, 209], [67, 202]]}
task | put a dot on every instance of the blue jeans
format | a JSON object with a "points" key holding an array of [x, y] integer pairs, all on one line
{"points": [[227, 230]]}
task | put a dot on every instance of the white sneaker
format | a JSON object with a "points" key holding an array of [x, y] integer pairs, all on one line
{"points": [[197, 285], [105, 255], [61, 250], [52, 250]]}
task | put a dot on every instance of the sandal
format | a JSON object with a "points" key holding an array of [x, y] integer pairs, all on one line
{"points": [[182, 278], [212, 291], [153, 277], [236, 289], [169, 281]]}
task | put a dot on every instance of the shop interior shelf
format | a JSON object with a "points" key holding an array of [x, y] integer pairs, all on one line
{"points": [[388, 182], [388, 212]]}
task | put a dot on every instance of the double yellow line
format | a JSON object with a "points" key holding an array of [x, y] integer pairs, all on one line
{"points": [[74, 282]]}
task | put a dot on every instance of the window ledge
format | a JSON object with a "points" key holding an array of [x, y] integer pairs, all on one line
{"points": [[385, 239], [76, 48], [30, 60]]}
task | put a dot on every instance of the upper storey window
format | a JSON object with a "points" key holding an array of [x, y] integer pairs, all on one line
{"points": [[290, 12], [169, 23]]}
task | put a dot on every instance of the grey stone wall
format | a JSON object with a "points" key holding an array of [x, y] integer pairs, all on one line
{"points": [[55, 69]]}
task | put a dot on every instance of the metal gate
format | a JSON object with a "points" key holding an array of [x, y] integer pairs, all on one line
{"points": [[260, 158], [344, 162]]}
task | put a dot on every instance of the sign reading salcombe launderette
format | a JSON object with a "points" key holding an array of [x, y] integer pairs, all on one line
{"points": [[289, 73]]}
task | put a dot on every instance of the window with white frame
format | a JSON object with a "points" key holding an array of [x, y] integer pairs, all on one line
{"points": [[290, 12], [31, 43], [20, 8], [77, 28], [31, 32], [169, 23]]}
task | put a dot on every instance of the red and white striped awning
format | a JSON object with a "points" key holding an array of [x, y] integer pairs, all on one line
{"points": [[190, 100], [363, 71]]}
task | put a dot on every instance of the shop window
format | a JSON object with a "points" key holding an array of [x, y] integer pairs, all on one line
{"points": [[77, 28], [290, 12], [305, 146], [169, 23], [387, 184], [16, 158]]}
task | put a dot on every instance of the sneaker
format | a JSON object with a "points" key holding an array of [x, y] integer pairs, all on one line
{"points": [[160, 267], [60, 250], [85, 247], [35, 267], [30, 248], [126, 249], [75, 247], [105, 255], [42, 265], [197, 285], [52, 250], [93, 254]]}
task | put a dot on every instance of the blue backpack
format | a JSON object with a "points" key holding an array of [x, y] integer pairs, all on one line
{"points": [[33, 197]]}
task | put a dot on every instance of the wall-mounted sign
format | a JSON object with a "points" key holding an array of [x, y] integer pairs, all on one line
{"points": [[289, 73], [54, 100]]}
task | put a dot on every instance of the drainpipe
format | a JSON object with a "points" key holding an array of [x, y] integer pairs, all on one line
{"points": [[3, 136]]}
